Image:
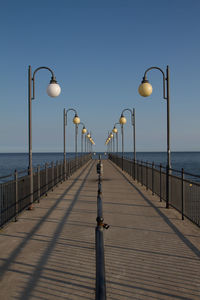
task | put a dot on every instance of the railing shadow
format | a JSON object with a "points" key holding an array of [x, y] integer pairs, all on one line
{"points": [[37, 273], [38, 270], [189, 244]]}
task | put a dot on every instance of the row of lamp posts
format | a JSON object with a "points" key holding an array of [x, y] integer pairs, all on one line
{"points": [[88, 139], [145, 89], [53, 90], [111, 138]]}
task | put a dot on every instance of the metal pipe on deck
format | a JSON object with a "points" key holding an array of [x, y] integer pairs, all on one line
{"points": [[99, 239], [100, 265]]}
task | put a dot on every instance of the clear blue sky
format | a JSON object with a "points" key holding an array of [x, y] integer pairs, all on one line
{"points": [[99, 51]]}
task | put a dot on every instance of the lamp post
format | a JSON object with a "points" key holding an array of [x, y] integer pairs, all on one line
{"points": [[84, 130], [122, 121], [108, 143], [86, 142], [53, 90], [88, 136], [112, 142], [91, 144], [133, 124], [76, 121], [116, 132], [90, 141], [145, 90]]}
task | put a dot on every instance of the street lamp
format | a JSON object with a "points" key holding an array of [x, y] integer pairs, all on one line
{"points": [[112, 142], [107, 143], [115, 130], [84, 130], [53, 90], [90, 140], [145, 90], [85, 139], [133, 124], [88, 145], [122, 121], [76, 121]]}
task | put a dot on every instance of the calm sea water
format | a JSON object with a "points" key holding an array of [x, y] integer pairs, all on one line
{"points": [[190, 161], [9, 162]]}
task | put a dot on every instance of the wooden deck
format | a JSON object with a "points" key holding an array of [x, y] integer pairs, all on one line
{"points": [[150, 253]]}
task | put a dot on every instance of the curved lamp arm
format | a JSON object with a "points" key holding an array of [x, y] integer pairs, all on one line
{"points": [[164, 79], [66, 112], [81, 123], [116, 124], [53, 78], [132, 114]]}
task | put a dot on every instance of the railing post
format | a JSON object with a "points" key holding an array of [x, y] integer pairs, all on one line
{"points": [[153, 178], [30, 198], [167, 186], [56, 173], [46, 175], [38, 183], [61, 172], [160, 183], [132, 164], [52, 174], [65, 169], [182, 193], [141, 172], [134, 169], [16, 195], [147, 175], [70, 167]]}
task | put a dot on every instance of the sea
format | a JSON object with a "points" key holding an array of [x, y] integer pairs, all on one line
{"points": [[189, 161]]}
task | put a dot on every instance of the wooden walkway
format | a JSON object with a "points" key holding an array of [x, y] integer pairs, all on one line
{"points": [[150, 253]]}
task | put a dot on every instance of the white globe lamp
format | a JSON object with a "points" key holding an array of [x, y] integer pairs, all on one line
{"points": [[53, 89]]}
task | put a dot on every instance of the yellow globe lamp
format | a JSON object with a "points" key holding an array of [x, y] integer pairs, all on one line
{"points": [[88, 135], [111, 135], [84, 130], [122, 120], [145, 89], [76, 120], [115, 130]]}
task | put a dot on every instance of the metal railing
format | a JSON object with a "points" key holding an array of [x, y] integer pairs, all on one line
{"points": [[15, 193], [100, 260], [184, 187]]}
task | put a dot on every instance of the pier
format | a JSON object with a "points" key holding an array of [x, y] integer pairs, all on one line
{"points": [[150, 252]]}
